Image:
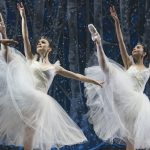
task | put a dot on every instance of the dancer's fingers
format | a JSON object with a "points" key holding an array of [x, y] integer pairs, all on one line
{"points": [[22, 5], [110, 9], [114, 10], [18, 6]]}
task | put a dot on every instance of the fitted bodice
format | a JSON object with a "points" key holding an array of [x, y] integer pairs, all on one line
{"points": [[139, 77], [43, 75]]}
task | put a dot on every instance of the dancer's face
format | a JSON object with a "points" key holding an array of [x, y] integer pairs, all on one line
{"points": [[138, 51], [43, 46]]}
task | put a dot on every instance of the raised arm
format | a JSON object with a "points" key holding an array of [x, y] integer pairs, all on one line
{"points": [[27, 45], [3, 33], [2, 27], [63, 72], [124, 54], [3, 40], [103, 62]]}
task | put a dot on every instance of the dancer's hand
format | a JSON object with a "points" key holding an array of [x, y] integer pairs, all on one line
{"points": [[8, 41], [100, 83], [21, 9], [114, 13], [2, 25], [94, 34]]}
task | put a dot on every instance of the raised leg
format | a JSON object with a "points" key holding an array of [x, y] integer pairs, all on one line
{"points": [[103, 62]]}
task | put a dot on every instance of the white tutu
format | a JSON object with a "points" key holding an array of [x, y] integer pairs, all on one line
{"points": [[117, 110], [22, 107]]}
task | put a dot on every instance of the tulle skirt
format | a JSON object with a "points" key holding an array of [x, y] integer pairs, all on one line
{"points": [[29, 114], [117, 111]]}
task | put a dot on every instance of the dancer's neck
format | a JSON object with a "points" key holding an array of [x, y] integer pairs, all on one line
{"points": [[44, 60], [139, 62]]}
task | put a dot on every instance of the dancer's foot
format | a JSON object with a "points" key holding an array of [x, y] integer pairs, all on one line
{"points": [[94, 34]]}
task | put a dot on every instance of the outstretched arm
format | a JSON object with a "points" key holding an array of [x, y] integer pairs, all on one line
{"points": [[63, 72], [100, 52], [27, 45], [124, 54]]}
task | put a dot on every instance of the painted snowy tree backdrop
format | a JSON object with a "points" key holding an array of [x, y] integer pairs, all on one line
{"points": [[65, 22]]}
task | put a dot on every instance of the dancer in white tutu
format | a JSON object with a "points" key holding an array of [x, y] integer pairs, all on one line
{"points": [[30, 117], [120, 109], [134, 65]]}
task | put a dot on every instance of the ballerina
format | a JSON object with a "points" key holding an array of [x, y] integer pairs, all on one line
{"points": [[134, 62], [120, 109], [32, 118]]}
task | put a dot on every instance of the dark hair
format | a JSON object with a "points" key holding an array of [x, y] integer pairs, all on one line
{"points": [[49, 41], [144, 49]]}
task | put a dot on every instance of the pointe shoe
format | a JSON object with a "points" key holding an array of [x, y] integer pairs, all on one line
{"points": [[94, 34]]}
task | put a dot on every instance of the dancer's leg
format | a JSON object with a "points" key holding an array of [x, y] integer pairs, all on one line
{"points": [[100, 52], [129, 145], [28, 138]]}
